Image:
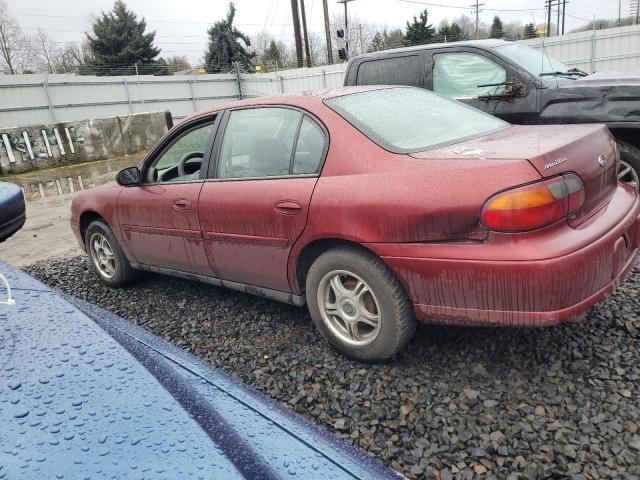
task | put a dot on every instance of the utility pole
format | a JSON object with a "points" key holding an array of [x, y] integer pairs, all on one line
{"points": [[327, 31], [306, 35], [564, 13], [346, 26], [619, 12], [548, 4], [296, 31], [476, 7], [635, 9]]}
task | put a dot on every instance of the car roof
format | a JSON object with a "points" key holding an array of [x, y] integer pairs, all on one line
{"points": [[487, 43], [300, 100], [86, 393]]}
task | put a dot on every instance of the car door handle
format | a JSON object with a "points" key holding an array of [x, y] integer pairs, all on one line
{"points": [[182, 204], [288, 207]]}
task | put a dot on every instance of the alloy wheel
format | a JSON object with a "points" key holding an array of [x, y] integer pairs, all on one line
{"points": [[102, 255], [349, 308], [628, 175]]}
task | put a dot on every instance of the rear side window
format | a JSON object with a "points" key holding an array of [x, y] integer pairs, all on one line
{"points": [[404, 120], [310, 148], [258, 142], [462, 75], [390, 71]]}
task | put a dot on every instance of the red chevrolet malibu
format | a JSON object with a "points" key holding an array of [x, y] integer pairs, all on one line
{"points": [[375, 206]]}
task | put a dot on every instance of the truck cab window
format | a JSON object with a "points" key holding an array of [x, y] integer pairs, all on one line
{"points": [[459, 75]]}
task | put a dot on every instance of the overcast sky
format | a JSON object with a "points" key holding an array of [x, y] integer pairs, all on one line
{"points": [[181, 25]]}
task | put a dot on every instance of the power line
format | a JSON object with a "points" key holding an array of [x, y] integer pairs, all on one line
{"points": [[467, 8]]}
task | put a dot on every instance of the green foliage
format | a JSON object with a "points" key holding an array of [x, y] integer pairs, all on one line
{"points": [[450, 33], [225, 48], [497, 30], [530, 31], [419, 31], [384, 40], [119, 42], [271, 56]]}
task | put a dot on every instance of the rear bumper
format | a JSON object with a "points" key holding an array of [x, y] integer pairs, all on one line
{"points": [[535, 279]]}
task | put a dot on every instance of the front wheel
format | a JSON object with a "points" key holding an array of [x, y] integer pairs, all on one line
{"points": [[629, 171], [358, 304], [106, 256]]}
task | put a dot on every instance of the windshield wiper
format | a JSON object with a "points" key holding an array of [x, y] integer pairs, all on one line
{"points": [[579, 72], [569, 74]]}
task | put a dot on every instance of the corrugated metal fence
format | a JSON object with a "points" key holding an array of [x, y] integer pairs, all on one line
{"points": [[38, 99], [597, 50]]}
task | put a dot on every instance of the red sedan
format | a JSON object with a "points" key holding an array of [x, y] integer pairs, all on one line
{"points": [[376, 206]]}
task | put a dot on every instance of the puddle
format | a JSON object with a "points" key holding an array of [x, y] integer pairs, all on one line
{"points": [[54, 181]]}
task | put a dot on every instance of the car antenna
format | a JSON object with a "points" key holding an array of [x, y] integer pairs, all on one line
{"points": [[544, 49], [10, 300]]}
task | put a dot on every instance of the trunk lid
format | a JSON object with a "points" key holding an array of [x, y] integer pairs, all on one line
{"points": [[587, 150]]}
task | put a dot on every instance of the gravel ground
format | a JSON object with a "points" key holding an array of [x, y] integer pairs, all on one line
{"points": [[559, 402]]}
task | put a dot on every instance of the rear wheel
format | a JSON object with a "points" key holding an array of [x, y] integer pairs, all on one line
{"points": [[358, 304], [107, 258], [629, 171]]}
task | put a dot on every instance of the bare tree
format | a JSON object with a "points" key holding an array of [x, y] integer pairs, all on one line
{"points": [[260, 43], [45, 50], [177, 63], [16, 54], [360, 34]]}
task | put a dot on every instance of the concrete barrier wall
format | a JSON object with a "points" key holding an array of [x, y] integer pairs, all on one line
{"points": [[44, 146]]}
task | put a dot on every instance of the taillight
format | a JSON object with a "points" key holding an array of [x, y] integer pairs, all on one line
{"points": [[535, 205]]}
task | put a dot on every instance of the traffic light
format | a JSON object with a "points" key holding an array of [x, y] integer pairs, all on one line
{"points": [[342, 54], [340, 33]]}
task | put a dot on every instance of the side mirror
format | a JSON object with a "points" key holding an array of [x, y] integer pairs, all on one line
{"points": [[12, 209], [129, 176], [508, 90]]}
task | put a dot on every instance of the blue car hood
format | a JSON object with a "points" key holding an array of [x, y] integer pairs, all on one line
{"points": [[86, 394]]}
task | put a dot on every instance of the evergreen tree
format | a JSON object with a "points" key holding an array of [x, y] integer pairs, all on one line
{"points": [[450, 32], [419, 31], [225, 48], [496, 28], [271, 56], [377, 43], [119, 43], [393, 39], [530, 31]]}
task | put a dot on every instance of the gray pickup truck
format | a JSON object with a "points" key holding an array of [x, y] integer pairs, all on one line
{"points": [[518, 84]]}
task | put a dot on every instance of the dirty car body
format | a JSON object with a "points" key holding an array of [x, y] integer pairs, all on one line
{"points": [[84, 393], [515, 83], [12, 209], [478, 221]]}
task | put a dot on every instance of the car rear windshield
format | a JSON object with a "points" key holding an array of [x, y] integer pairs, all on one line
{"points": [[405, 120]]}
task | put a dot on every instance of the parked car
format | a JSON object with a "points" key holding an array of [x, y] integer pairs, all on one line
{"points": [[518, 84], [12, 210], [374, 205], [86, 394]]}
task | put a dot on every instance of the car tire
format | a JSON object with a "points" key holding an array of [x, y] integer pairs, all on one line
{"points": [[370, 322], [106, 257], [630, 159]]}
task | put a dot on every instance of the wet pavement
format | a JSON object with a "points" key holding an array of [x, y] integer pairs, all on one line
{"points": [[52, 182]]}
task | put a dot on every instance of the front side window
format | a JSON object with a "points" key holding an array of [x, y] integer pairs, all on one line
{"points": [[258, 142], [536, 62], [182, 161], [408, 119], [466, 75], [390, 71]]}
